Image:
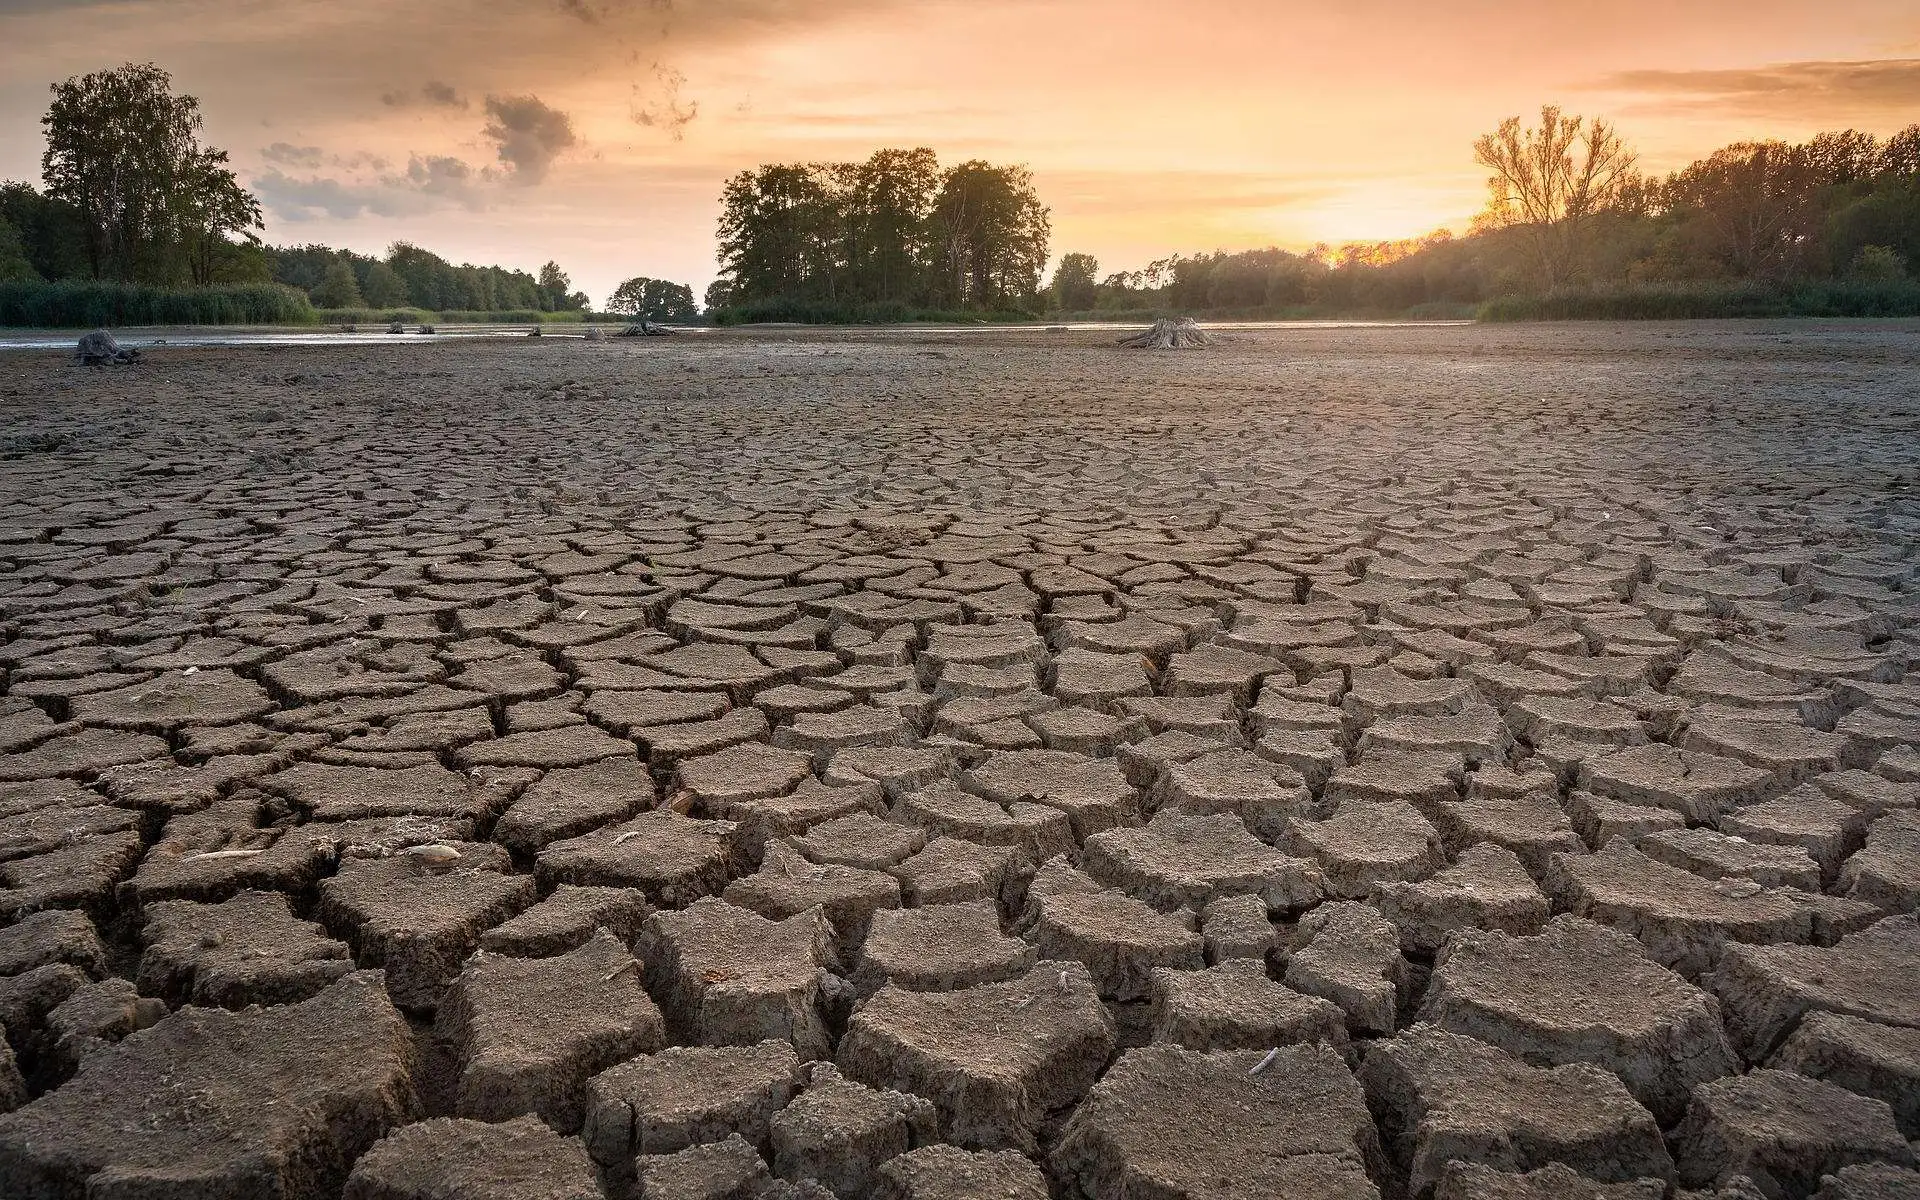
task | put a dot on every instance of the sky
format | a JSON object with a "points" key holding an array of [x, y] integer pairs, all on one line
{"points": [[598, 132]]}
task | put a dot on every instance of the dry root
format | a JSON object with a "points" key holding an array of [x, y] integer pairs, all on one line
{"points": [[1183, 334]]}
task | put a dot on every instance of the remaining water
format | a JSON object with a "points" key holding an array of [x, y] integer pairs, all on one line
{"points": [[368, 335]]}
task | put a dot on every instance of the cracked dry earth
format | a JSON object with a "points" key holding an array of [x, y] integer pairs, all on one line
{"points": [[1470, 762]]}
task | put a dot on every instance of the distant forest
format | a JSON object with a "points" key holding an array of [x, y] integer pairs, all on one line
{"points": [[153, 225], [1830, 226]]}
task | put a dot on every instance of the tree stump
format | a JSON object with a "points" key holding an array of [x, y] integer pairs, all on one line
{"points": [[1167, 334], [98, 349]]}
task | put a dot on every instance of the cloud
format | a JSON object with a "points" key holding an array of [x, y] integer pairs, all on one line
{"points": [[293, 156], [432, 94], [661, 106], [528, 135], [429, 182], [447, 177], [291, 199], [1795, 88]]}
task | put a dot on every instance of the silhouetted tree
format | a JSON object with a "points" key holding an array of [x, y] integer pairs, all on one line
{"points": [[1550, 180], [990, 230]]}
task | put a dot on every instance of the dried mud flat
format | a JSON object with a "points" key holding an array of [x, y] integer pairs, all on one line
{"points": [[1454, 762]]}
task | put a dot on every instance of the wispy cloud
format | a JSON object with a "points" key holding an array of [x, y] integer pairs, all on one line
{"points": [[432, 94], [1811, 89], [660, 106]]}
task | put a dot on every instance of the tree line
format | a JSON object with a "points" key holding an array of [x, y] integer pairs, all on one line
{"points": [[1570, 213], [894, 233], [132, 200], [409, 277]]}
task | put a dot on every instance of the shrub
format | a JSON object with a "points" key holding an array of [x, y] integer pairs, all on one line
{"points": [[1879, 264]]}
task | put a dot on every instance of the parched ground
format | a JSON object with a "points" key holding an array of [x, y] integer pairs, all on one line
{"points": [[1458, 762]]}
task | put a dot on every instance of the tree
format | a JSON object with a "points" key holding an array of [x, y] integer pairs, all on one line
{"points": [[13, 257], [555, 290], [719, 295], [209, 206], [774, 225], [991, 232], [890, 196], [51, 233], [339, 288], [1550, 181], [124, 151], [1074, 285], [653, 300], [382, 287], [1755, 206]]}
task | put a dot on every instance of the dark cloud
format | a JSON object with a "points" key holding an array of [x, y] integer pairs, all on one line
{"points": [[288, 155], [528, 135], [1812, 88], [432, 94], [660, 106], [442, 95]]}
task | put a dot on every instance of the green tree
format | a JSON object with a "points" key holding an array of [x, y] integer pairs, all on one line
{"points": [[209, 206], [719, 295], [1550, 180], [653, 300], [51, 233], [124, 151], [13, 256], [339, 288], [382, 287], [556, 294], [1074, 282]]}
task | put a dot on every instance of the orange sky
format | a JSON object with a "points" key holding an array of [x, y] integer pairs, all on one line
{"points": [[1150, 127]]}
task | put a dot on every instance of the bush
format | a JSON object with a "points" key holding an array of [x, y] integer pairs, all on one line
{"points": [[1694, 301], [1879, 264], [93, 303]]}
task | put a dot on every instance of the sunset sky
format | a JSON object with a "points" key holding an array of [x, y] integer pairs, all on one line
{"points": [[1150, 127]]}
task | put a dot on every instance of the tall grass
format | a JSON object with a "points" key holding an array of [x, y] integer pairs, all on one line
{"points": [[417, 316], [1694, 301], [92, 303]]}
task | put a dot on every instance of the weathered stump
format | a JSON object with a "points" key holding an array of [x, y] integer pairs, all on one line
{"points": [[1168, 334]]}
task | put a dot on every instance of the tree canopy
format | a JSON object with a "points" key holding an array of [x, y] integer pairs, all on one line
{"points": [[654, 300], [1569, 210], [152, 204], [892, 230]]}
